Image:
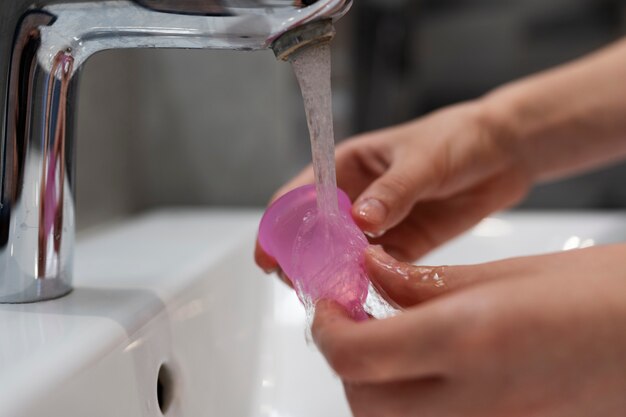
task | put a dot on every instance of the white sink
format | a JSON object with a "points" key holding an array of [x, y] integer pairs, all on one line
{"points": [[179, 289]]}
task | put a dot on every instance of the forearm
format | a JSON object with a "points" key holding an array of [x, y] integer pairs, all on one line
{"points": [[566, 120]]}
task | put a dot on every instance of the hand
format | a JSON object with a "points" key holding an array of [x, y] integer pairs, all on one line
{"points": [[541, 336], [419, 184]]}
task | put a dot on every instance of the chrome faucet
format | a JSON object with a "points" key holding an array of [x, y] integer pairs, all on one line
{"points": [[43, 45]]}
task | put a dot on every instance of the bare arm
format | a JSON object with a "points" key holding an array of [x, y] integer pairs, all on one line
{"points": [[568, 119]]}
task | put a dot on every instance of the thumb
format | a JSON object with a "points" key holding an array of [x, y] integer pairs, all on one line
{"points": [[389, 199], [405, 285], [329, 316]]}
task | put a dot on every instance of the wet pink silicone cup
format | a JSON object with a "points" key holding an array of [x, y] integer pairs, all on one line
{"points": [[321, 254]]}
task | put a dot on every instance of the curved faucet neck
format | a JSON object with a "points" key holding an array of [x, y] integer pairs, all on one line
{"points": [[41, 50]]}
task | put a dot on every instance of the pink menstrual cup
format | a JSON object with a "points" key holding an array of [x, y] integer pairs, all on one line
{"points": [[321, 253]]}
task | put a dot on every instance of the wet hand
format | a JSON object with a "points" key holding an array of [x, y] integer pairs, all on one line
{"points": [[540, 336], [417, 185]]}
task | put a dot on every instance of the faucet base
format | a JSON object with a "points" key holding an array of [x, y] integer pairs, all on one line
{"points": [[40, 290]]}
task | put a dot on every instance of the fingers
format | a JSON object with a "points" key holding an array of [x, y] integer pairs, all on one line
{"points": [[263, 260], [406, 285], [423, 341], [388, 200], [436, 157], [269, 264], [403, 284], [428, 340], [386, 186], [432, 223], [409, 346], [357, 166]]}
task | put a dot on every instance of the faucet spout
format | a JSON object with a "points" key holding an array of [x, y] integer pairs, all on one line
{"points": [[310, 34], [41, 52]]}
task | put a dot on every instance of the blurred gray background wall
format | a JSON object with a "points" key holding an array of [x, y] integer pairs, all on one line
{"points": [[200, 128]]}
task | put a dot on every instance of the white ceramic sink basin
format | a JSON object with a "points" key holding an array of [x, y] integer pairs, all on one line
{"points": [[177, 291]]}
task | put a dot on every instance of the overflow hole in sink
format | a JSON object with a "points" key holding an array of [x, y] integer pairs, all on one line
{"points": [[164, 388]]}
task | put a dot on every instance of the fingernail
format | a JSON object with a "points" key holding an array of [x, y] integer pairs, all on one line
{"points": [[372, 211], [269, 271], [375, 235]]}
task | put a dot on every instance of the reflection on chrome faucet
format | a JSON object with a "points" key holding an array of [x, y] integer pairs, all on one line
{"points": [[41, 49], [52, 183]]}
